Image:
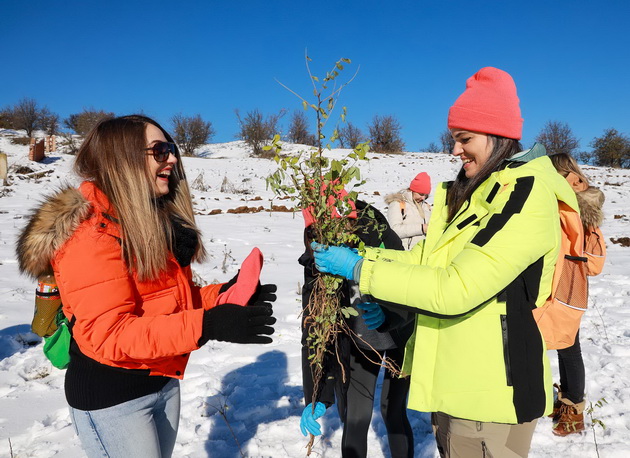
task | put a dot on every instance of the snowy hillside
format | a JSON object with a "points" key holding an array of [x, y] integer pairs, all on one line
{"points": [[248, 399]]}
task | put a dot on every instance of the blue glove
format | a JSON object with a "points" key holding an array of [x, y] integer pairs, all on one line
{"points": [[336, 260], [373, 316], [308, 422]]}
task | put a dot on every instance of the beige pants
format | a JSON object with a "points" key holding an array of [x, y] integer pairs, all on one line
{"points": [[457, 438]]}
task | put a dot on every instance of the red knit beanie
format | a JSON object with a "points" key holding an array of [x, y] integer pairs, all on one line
{"points": [[421, 183], [489, 105]]}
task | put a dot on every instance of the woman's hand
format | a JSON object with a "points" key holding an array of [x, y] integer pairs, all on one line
{"points": [[238, 324], [336, 260], [374, 316], [308, 422], [264, 295]]}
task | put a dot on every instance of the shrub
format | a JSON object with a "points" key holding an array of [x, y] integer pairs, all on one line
{"points": [[385, 135], [432, 148], [350, 136], [557, 137], [447, 142], [298, 130], [258, 131], [25, 115], [49, 121], [611, 149], [190, 132], [82, 123]]}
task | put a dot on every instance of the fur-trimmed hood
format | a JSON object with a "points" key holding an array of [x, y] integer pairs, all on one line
{"points": [[400, 196], [591, 202], [50, 226]]}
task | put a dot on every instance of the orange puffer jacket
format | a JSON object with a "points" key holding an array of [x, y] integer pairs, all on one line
{"points": [[120, 321]]}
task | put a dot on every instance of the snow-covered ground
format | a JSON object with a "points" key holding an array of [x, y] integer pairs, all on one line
{"points": [[242, 400]]}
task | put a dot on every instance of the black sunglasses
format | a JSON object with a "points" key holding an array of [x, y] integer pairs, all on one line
{"points": [[161, 150]]}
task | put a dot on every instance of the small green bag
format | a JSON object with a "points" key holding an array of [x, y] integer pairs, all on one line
{"points": [[57, 346]]}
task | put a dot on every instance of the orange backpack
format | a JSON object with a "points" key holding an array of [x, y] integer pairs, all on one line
{"points": [[594, 250], [559, 318]]}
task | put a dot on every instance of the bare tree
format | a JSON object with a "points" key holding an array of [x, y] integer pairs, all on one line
{"points": [[190, 132], [25, 115], [83, 122], [447, 142], [350, 136], [611, 149], [256, 130], [49, 121], [432, 148], [6, 119], [298, 130], [557, 137], [385, 135]]}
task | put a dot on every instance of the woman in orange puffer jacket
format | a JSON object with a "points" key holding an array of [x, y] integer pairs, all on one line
{"points": [[120, 247]]}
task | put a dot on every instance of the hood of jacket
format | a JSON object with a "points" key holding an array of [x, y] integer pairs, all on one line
{"points": [[542, 168], [537, 156], [49, 227], [591, 202], [400, 196]]}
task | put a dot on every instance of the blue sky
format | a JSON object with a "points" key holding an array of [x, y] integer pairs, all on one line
{"points": [[570, 59]]}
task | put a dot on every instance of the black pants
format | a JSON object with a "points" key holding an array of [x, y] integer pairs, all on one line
{"points": [[572, 376], [362, 385]]}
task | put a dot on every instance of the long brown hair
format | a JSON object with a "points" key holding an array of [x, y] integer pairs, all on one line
{"points": [[112, 156], [463, 187]]}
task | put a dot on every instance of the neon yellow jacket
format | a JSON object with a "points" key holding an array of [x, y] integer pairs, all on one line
{"points": [[476, 352]]}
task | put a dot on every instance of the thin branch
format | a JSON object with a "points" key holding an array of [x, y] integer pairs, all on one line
{"points": [[308, 70], [292, 91]]}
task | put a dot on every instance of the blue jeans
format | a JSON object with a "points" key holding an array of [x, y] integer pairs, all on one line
{"points": [[143, 427]]}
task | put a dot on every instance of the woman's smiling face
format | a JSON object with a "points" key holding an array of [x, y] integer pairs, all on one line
{"points": [[473, 148], [159, 171]]}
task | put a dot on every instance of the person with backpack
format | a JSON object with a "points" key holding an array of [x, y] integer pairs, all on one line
{"points": [[120, 248], [360, 354], [408, 211], [477, 358], [568, 410]]}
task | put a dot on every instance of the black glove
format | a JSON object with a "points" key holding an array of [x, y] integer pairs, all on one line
{"points": [[264, 295], [233, 323]]}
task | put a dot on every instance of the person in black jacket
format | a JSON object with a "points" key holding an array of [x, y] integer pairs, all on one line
{"points": [[355, 397]]}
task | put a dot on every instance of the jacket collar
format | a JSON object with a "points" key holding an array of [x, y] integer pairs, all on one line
{"points": [[55, 221]]}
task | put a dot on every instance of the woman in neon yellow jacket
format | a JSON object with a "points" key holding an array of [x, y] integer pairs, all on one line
{"points": [[477, 360]]}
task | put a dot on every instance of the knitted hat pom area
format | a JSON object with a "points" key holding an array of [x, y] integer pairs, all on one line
{"points": [[489, 105]]}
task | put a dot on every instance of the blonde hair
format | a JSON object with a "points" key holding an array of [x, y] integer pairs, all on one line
{"points": [[565, 164], [113, 157]]}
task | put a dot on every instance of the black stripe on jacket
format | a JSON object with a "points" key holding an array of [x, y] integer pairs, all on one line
{"points": [[522, 344], [514, 205]]}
